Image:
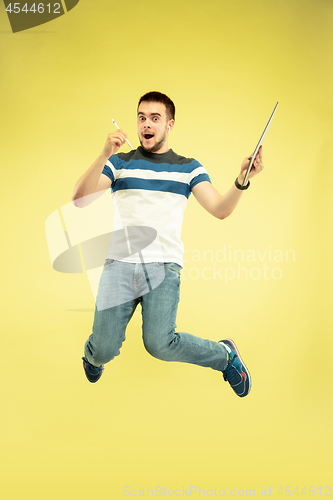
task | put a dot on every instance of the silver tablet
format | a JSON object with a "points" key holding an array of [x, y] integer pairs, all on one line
{"points": [[261, 140]]}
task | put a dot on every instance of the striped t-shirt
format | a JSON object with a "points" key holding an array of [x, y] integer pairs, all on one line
{"points": [[151, 189]]}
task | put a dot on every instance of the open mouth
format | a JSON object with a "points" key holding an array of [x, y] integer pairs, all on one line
{"points": [[148, 136]]}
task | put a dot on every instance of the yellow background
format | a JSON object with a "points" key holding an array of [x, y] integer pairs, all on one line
{"points": [[148, 423]]}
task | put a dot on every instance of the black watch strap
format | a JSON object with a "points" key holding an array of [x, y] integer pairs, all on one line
{"points": [[239, 186]]}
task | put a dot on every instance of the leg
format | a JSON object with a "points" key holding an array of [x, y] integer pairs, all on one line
{"points": [[159, 310], [108, 333], [115, 306]]}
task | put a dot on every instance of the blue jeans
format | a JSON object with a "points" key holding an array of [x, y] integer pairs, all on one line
{"points": [[159, 304]]}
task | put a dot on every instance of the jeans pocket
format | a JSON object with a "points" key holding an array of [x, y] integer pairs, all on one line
{"points": [[108, 263], [176, 268]]}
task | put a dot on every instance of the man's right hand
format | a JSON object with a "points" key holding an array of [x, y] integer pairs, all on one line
{"points": [[93, 180], [113, 142]]}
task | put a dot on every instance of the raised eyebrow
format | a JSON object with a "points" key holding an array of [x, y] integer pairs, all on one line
{"points": [[151, 114]]}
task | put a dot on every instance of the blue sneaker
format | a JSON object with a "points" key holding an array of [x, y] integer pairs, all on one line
{"points": [[236, 372], [93, 373]]}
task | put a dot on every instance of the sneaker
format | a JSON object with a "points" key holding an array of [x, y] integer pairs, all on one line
{"points": [[93, 373], [236, 372]]}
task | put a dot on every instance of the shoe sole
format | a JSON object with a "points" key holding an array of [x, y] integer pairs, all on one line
{"points": [[243, 364], [96, 375]]}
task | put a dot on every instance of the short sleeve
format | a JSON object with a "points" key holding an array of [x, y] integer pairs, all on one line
{"points": [[198, 174], [110, 168]]}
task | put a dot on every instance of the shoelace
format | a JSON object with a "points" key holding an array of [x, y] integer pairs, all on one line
{"points": [[91, 368], [230, 374]]}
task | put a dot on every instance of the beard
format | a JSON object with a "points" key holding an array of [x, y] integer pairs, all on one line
{"points": [[156, 147]]}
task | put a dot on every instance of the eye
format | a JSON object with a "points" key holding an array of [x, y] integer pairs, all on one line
{"points": [[155, 118], [141, 118]]}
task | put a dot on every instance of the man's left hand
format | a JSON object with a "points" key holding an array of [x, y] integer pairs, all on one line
{"points": [[256, 168]]}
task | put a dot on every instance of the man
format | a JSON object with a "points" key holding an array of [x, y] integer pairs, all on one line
{"points": [[150, 187]]}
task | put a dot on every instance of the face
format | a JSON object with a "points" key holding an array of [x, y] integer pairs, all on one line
{"points": [[153, 124]]}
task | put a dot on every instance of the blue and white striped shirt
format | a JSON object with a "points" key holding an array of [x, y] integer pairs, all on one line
{"points": [[151, 189]]}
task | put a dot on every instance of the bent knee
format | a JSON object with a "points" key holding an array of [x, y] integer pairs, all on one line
{"points": [[160, 348], [100, 355]]}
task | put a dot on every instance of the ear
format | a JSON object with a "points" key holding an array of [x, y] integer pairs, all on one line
{"points": [[171, 125]]}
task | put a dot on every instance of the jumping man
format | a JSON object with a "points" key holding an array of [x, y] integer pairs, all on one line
{"points": [[150, 187]]}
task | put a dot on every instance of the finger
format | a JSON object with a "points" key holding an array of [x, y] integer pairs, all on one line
{"points": [[117, 134], [260, 153], [259, 166], [117, 137], [245, 164], [258, 161], [121, 132], [121, 138]]}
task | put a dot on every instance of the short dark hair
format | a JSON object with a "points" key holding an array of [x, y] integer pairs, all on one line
{"points": [[159, 97]]}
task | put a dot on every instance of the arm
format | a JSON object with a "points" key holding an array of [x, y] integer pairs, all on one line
{"points": [[93, 181], [222, 206]]}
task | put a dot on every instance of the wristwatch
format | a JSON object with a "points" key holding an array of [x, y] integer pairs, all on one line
{"points": [[239, 186]]}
